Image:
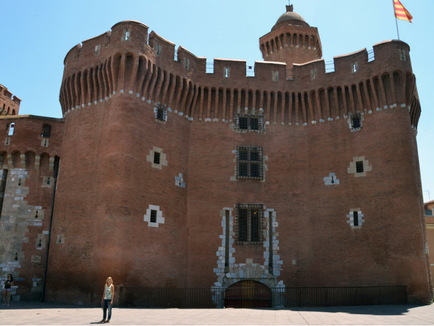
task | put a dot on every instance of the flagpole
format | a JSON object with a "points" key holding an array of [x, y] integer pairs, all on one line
{"points": [[396, 19], [397, 30]]}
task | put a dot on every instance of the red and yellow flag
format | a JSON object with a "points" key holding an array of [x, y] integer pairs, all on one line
{"points": [[401, 12]]}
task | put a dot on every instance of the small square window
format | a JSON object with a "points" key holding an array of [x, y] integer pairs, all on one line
{"points": [[359, 167], [249, 163], [156, 158], [249, 223], [153, 216]]}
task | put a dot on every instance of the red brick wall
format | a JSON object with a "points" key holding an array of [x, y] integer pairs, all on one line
{"points": [[107, 184]]}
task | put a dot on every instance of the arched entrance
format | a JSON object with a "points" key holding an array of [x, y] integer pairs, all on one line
{"points": [[248, 294]]}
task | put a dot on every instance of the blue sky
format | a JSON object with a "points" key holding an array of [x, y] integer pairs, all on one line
{"points": [[38, 34]]}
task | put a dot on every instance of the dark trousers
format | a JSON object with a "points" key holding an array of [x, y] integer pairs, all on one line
{"points": [[107, 305]]}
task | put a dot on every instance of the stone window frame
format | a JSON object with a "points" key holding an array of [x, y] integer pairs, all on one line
{"points": [[351, 218], [249, 162], [159, 219], [249, 223], [353, 166], [160, 111], [275, 76], [331, 180], [353, 118], [150, 158], [249, 117]]}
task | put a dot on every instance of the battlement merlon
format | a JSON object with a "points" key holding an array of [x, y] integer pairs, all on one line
{"points": [[86, 54], [127, 64]]}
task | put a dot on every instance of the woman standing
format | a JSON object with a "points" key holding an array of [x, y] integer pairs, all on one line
{"points": [[107, 300], [8, 284]]}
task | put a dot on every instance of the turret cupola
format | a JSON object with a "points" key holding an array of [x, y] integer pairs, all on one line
{"points": [[291, 40]]}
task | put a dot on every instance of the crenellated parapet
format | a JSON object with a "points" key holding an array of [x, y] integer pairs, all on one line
{"points": [[126, 61], [9, 104]]}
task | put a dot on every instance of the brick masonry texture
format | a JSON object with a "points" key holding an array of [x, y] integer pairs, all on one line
{"points": [[108, 183]]}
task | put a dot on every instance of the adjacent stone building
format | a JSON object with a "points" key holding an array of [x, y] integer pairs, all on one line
{"points": [[429, 216], [173, 177]]}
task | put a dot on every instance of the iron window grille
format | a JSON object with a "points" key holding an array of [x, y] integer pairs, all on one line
{"points": [[249, 223], [356, 122], [160, 111], [248, 122], [46, 130], [250, 164]]}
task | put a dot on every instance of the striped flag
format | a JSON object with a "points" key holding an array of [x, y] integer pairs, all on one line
{"points": [[400, 12]]}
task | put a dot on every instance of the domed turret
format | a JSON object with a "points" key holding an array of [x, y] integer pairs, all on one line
{"points": [[291, 40], [290, 18]]}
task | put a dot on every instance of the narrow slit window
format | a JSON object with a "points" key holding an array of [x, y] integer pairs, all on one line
{"points": [[46, 130], [356, 218], [160, 112], [356, 122], [157, 158], [11, 129], [359, 167], [158, 49], [153, 216], [354, 67], [226, 72], [254, 124]]}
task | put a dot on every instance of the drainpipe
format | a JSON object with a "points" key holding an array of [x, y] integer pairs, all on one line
{"points": [[56, 170]]}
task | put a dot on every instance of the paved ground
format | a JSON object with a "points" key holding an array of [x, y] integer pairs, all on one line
{"points": [[36, 313]]}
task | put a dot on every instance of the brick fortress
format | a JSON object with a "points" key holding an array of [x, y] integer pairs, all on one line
{"points": [[174, 177]]}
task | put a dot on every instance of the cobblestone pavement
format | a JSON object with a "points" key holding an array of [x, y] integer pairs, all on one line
{"points": [[37, 313]]}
